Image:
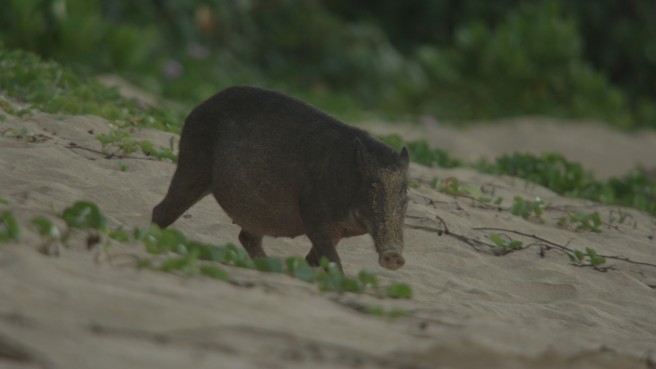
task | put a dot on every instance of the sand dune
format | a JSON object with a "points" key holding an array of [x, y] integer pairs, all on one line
{"points": [[471, 309], [599, 148]]}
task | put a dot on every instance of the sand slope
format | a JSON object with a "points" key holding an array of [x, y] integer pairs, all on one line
{"points": [[597, 147], [471, 309]]}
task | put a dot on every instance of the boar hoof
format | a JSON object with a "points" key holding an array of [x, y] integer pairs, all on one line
{"points": [[391, 260]]}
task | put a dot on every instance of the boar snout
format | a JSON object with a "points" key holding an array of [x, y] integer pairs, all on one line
{"points": [[391, 259]]}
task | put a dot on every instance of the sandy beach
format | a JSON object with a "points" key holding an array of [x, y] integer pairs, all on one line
{"points": [[472, 308]]}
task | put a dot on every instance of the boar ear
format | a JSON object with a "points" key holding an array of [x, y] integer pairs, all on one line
{"points": [[404, 155], [360, 154]]}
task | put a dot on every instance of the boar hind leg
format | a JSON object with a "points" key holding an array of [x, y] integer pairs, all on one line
{"points": [[188, 186], [252, 244], [323, 246]]}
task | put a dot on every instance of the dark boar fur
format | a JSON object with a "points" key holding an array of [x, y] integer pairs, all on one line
{"points": [[281, 168]]}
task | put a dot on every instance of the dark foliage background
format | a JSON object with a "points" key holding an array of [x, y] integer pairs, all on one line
{"points": [[454, 59]]}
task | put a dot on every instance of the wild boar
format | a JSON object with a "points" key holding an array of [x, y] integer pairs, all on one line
{"points": [[279, 167]]}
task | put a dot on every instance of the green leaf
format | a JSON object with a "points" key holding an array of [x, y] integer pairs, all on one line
{"points": [[351, 285], [515, 244], [84, 215], [237, 257], [331, 282], [207, 252], [485, 199], [596, 222], [150, 238], [519, 207], [45, 227], [119, 235], [173, 240], [214, 272], [187, 264], [399, 290], [9, 228], [497, 239], [299, 269], [174, 263], [152, 232], [597, 261], [368, 279], [579, 255], [103, 138], [329, 266], [562, 221], [525, 208], [324, 263], [147, 147], [473, 191], [374, 310], [293, 262], [268, 264]]}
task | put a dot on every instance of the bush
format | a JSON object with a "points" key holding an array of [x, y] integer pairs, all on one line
{"points": [[457, 60], [570, 179], [529, 64]]}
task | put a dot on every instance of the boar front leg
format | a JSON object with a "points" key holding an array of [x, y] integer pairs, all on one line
{"points": [[323, 245], [319, 229]]}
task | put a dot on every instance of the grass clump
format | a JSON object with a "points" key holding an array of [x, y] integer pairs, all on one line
{"points": [[327, 277], [421, 152], [474, 61], [177, 254], [550, 170], [452, 186], [52, 88], [505, 243], [48, 231], [84, 215], [569, 179], [528, 209], [581, 221], [123, 142], [589, 257]]}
